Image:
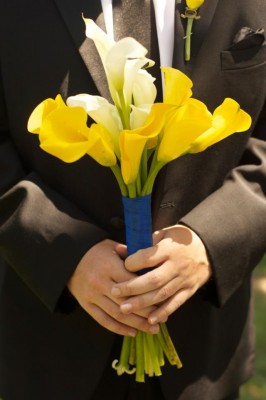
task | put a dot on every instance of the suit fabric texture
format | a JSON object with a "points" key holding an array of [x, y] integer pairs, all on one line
{"points": [[51, 213]]}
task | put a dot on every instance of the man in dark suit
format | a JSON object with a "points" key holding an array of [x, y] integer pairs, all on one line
{"points": [[61, 225]]}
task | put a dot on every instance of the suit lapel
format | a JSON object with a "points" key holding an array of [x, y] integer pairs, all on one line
{"points": [[71, 12]]}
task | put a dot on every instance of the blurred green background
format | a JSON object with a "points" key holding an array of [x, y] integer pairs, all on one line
{"points": [[255, 389]]}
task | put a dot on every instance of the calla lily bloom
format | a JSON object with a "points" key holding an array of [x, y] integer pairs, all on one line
{"points": [[63, 132], [133, 142], [184, 126], [144, 90], [102, 112], [122, 62], [139, 115], [227, 119], [194, 4], [177, 86]]}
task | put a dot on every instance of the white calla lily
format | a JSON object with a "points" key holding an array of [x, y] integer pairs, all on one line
{"points": [[102, 41], [139, 115], [122, 61], [144, 90]]}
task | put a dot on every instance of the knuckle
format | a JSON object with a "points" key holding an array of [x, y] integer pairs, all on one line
{"points": [[163, 294], [156, 279], [118, 315], [106, 322]]}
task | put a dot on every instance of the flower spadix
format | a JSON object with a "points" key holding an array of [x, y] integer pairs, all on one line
{"points": [[227, 119], [63, 133]]}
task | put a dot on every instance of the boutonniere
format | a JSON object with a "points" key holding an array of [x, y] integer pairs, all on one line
{"points": [[191, 13]]}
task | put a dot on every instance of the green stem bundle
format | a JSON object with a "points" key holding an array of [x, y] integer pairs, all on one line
{"points": [[144, 354]]}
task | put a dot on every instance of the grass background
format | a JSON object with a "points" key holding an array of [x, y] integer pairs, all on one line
{"points": [[255, 389]]}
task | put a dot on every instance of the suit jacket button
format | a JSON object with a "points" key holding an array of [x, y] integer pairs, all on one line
{"points": [[117, 223]]}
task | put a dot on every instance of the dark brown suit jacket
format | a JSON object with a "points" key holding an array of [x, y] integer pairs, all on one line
{"points": [[51, 213]]}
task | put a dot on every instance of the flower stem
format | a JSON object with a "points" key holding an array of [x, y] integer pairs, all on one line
{"points": [[147, 188], [139, 357], [188, 38], [117, 173], [168, 346]]}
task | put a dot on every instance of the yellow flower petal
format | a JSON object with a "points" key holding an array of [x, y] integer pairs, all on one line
{"points": [[194, 4], [101, 148], [64, 133], [227, 119], [186, 124], [177, 86], [133, 142], [42, 111]]}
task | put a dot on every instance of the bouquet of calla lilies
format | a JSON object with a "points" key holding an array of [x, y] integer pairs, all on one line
{"points": [[136, 137]]}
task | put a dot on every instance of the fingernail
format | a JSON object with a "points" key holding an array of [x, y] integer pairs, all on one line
{"points": [[115, 291], [126, 308], [132, 333], [153, 320]]}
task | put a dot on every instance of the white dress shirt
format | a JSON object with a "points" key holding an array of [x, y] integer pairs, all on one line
{"points": [[165, 17]]}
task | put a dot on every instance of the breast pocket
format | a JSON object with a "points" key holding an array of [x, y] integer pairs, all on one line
{"points": [[244, 58]]}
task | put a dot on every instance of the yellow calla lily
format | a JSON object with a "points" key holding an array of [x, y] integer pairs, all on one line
{"points": [[194, 4], [101, 146], [42, 111], [63, 133], [185, 124], [177, 86], [227, 119], [133, 142]]}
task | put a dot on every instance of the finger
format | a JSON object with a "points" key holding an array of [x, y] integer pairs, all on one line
{"points": [[120, 274], [121, 250], [143, 311], [131, 320], [171, 305], [150, 281], [145, 258], [155, 297]]}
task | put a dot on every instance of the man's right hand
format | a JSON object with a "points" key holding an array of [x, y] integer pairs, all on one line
{"points": [[91, 285]]}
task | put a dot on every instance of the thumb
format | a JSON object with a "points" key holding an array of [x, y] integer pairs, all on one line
{"points": [[121, 250]]}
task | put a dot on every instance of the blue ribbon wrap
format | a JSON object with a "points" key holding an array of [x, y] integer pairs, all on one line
{"points": [[138, 221]]}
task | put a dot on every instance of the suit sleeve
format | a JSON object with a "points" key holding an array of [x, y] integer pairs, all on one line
{"points": [[42, 235], [231, 222]]}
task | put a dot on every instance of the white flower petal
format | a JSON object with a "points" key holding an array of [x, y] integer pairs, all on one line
{"points": [[102, 112], [139, 115], [144, 90]]}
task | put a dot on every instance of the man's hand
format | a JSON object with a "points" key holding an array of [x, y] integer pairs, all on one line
{"points": [[100, 268], [179, 267]]}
